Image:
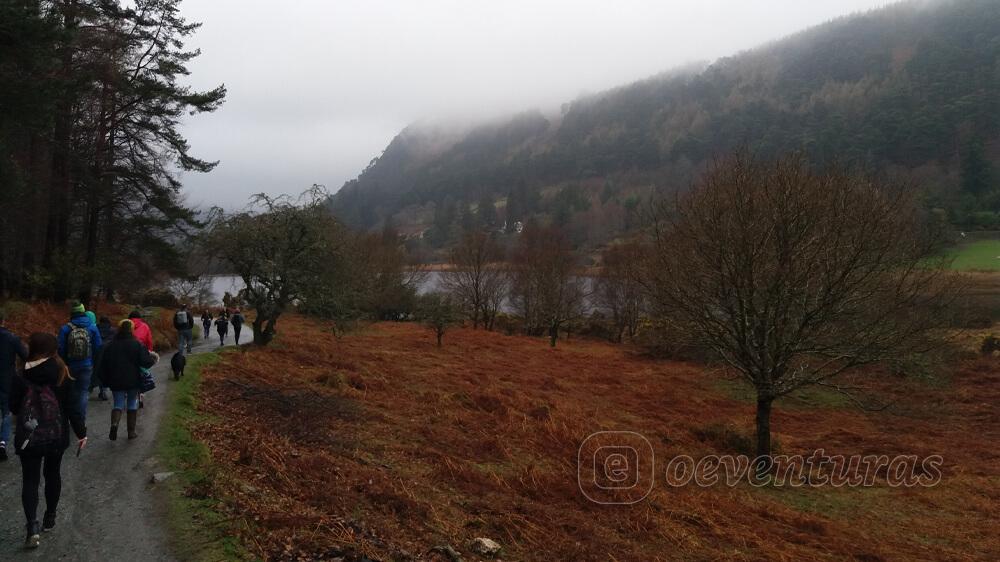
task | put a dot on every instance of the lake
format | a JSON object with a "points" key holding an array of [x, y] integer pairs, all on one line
{"points": [[432, 282]]}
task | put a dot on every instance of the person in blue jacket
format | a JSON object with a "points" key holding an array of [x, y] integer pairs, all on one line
{"points": [[10, 349], [79, 343]]}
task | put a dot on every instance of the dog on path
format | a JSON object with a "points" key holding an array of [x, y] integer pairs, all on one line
{"points": [[177, 363]]}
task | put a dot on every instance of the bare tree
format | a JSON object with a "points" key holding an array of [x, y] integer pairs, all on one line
{"points": [[545, 286], [795, 277], [478, 281], [285, 251], [618, 287], [196, 289]]}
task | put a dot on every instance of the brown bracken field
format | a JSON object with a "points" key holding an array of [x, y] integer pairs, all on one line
{"points": [[379, 444]]}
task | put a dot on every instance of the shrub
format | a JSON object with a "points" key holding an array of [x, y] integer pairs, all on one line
{"points": [[990, 345]]}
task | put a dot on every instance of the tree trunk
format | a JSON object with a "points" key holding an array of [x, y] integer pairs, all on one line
{"points": [[439, 336], [553, 334], [57, 228], [763, 463], [263, 329]]}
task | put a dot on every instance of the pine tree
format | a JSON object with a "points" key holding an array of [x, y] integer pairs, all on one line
{"points": [[977, 175], [486, 211]]}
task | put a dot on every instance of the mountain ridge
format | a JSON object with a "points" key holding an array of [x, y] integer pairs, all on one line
{"points": [[910, 88]]}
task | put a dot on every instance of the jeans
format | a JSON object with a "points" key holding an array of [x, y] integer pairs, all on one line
{"points": [[31, 475], [184, 338], [5, 412], [236, 333], [130, 396], [82, 376]]}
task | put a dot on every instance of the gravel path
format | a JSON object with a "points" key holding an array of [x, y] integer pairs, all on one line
{"points": [[108, 511]]}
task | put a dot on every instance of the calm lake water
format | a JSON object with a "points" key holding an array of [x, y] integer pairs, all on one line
{"points": [[233, 284]]}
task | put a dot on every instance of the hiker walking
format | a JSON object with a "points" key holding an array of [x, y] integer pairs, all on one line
{"points": [[46, 403], [237, 319], [141, 330], [206, 324], [143, 333], [10, 349], [222, 327], [79, 342], [184, 324], [107, 334], [122, 365]]}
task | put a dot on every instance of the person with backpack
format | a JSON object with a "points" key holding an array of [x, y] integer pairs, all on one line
{"points": [[46, 403], [107, 334], [79, 343], [237, 319], [222, 327], [206, 324], [122, 366], [184, 324], [11, 348]]}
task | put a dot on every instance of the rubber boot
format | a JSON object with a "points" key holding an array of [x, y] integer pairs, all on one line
{"points": [[130, 418], [116, 418]]}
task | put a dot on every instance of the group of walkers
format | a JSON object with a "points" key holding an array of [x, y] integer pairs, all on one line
{"points": [[49, 397], [221, 321]]}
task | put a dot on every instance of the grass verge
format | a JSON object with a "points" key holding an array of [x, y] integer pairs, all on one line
{"points": [[198, 524], [981, 255]]}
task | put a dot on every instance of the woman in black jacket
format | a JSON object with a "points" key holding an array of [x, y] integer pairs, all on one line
{"points": [[222, 326], [121, 364], [46, 403], [206, 324]]}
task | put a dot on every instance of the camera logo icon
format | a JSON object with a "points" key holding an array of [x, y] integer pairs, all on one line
{"points": [[615, 467]]}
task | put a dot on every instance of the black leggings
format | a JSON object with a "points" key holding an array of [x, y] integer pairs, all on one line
{"points": [[31, 473]]}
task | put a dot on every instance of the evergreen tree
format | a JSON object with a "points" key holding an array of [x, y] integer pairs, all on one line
{"points": [[92, 97], [486, 211], [977, 175]]}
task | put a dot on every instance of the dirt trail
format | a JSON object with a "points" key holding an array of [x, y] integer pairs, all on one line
{"points": [[108, 510]]}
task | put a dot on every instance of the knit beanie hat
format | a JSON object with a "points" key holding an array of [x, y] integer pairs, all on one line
{"points": [[78, 308]]}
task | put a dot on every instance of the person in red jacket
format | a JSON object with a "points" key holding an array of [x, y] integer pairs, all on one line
{"points": [[141, 330]]}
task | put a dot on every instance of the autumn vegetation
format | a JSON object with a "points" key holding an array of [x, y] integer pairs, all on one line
{"points": [[382, 444]]}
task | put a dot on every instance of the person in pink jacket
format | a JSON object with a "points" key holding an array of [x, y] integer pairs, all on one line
{"points": [[141, 330]]}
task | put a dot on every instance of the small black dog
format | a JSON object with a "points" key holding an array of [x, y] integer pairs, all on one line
{"points": [[177, 363]]}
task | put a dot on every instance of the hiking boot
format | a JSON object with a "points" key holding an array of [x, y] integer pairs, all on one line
{"points": [[3, 451], [130, 418], [116, 418], [34, 535], [48, 521]]}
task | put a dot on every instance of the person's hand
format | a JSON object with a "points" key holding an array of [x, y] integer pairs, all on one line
{"points": [[82, 444], [156, 356]]}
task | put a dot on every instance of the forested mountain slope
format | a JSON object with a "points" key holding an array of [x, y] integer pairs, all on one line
{"points": [[913, 89]]}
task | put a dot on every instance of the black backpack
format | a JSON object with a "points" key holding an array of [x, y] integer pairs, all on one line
{"points": [[41, 417]]}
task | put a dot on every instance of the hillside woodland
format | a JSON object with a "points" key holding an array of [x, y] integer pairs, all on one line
{"points": [[908, 91]]}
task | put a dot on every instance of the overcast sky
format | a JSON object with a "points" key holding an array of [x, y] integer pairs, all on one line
{"points": [[317, 88]]}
